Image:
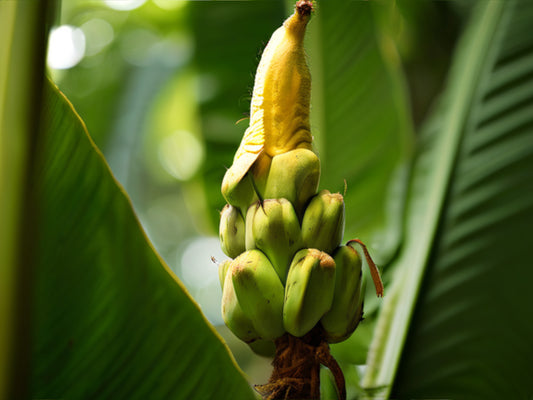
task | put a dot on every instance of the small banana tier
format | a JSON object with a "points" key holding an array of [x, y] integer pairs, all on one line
{"points": [[289, 272]]}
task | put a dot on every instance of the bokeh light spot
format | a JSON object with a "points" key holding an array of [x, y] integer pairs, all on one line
{"points": [[136, 45], [208, 87], [66, 47], [99, 33], [181, 154], [170, 4], [124, 5]]}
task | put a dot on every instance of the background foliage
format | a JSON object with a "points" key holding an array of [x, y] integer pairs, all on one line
{"points": [[432, 134]]}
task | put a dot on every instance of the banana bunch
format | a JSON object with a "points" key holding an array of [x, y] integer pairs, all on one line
{"points": [[288, 271]]}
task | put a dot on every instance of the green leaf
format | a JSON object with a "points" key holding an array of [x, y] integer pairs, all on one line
{"points": [[22, 27], [360, 117], [110, 320], [455, 323]]}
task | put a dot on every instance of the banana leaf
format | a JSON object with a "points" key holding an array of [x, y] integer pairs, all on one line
{"points": [[110, 320], [455, 323], [88, 308]]}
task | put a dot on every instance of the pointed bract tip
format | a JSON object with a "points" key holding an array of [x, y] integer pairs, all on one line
{"points": [[304, 7]]}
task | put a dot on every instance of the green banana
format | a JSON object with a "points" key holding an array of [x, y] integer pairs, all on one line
{"points": [[273, 227], [223, 268], [264, 348], [323, 221], [231, 231], [233, 315], [293, 175], [260, 292], [347, 307], [240, 192], [309, 290]]}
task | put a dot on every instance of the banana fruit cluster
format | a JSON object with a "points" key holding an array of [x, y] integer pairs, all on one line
{"points": [[289, 274], [287, 270]]}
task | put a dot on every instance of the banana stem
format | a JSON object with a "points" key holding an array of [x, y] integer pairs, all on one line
{"points": [[296, 373]]}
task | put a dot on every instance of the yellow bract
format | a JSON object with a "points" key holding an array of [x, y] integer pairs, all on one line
{"points": [[279, 112]]}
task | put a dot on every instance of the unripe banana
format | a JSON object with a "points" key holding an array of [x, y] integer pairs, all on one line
{"points": [[279, 110], [273, 227], [323, 221], [260, 292], [231, 231], [239, 192], [223, 268], [264, 348], [347, 307], [309, 290], [293, 175], [233, 315]]}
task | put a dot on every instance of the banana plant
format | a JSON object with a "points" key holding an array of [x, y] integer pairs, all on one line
{"points": [[90, 310]]}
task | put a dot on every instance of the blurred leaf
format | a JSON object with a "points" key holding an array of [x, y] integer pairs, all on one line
{"points": [[114, 83], [363, 133], [174, 149], [471, 207], [22, 53], [360, 117], [110, 319], [426, 35], [229, 38]]}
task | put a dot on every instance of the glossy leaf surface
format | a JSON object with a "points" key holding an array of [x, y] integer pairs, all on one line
{"points": [[110, 319]]}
